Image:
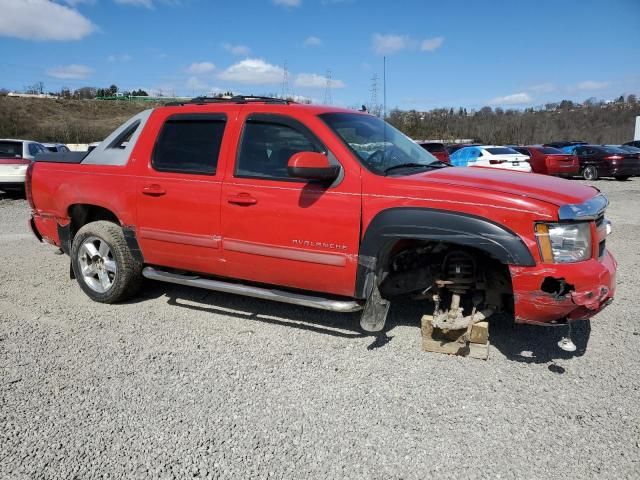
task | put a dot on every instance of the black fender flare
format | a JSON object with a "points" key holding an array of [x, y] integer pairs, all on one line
{"points": [[394, 224]]}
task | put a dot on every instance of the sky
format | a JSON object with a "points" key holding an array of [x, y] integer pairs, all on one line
{"points": [[512, 54]]}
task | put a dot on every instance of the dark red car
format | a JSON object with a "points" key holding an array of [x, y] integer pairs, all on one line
{"points": [[550, 161], [606, 161], [437, 150]]}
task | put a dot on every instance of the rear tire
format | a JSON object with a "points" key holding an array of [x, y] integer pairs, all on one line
{"points": [[590, 173], [622, 178], [103, 264]]}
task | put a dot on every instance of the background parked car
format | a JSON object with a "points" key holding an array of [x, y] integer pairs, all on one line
{"points": [[490, 156], [56, 147], [436, 149], [602, 161], [550, 161], [15, 157]]}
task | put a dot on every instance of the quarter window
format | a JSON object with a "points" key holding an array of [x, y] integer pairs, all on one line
{"points": [[189, 145], [267, 146]]}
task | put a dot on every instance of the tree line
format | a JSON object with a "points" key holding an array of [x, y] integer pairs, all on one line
{"points": [[593, 121]]}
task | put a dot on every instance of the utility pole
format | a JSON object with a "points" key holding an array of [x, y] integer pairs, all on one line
{"points": [[328, 98]]}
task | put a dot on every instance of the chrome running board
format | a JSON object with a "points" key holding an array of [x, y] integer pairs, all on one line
{"points": [[343, 306]]}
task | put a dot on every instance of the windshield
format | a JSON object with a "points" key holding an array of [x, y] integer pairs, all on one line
{"points": [[502, 151], [378, 145]]}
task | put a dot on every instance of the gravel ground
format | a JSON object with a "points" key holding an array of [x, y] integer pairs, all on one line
{"points": [[187, 383]]}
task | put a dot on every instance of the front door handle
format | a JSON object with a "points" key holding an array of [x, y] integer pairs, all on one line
{"points": [[154, 190], [242, 199]]}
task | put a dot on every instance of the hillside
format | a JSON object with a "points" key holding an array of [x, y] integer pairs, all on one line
{"points": [[65, 121], [83, 121], [595, 122]]}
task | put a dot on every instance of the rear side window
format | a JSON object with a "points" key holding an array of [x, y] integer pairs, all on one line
{"points": [[189, 145], [268, 145], [34, 149]]}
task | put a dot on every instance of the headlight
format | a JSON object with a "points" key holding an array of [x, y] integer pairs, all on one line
{"points": [[564, 242]]}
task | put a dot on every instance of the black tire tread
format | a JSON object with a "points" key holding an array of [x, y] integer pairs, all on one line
{"points": [[129, 278]]}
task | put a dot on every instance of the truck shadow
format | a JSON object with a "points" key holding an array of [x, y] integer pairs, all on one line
{"points": [[519, 343]]}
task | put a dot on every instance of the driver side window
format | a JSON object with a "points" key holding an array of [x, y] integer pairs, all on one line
{"points": [[267, 146]]}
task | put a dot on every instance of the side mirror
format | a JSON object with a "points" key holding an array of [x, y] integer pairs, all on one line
{"points": [[312, 166]]}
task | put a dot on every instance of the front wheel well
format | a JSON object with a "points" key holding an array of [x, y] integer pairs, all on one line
{"points": [[418, 268]]}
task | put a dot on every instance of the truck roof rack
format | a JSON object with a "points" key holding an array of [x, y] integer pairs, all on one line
{"points": [[234, 99]]}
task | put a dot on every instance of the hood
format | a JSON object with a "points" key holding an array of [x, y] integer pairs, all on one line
{"points": [[544, 188]]}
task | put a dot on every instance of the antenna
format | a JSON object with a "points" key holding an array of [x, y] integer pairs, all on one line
{"points": [[328, 100], [285, 80]]}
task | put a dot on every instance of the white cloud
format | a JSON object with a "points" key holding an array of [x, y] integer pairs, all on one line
{"points": [[591, 85], [312, 42], [201, 68], [546, 87], [253, 71], [431, 44], [73, 71], [287, 3], [313, 80], [240, 50], [389, 44], [125, 57], [513, 99], [42, 20]]}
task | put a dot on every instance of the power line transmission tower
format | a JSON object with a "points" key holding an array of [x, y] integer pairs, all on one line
{"points": [[285, 81], [328, 98], [374, 108]]}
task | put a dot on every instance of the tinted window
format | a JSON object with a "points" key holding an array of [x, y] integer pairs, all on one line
{"points": [[52, 149], [33, 149], [433, 147], [613, 150], [267, 147], [523, 151], [501, 151], [551, 151], [189, 146]]}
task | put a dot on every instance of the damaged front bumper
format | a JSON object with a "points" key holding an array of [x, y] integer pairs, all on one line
{"points": [[550, 293]]}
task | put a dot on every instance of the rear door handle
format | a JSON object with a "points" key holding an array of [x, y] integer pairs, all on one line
{"points": [[242, 199], [154, 190]]}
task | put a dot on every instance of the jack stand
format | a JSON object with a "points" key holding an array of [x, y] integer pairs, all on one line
{"points": [[565, 342], [467, 342]]}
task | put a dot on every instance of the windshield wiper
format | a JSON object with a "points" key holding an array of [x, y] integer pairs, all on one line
{"points": [[437, 164]]}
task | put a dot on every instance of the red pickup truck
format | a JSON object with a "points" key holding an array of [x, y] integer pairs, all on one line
{"points": [[322, 207]]}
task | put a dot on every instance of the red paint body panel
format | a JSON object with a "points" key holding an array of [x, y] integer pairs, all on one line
{"points": [[307, 235], [594, 282]]}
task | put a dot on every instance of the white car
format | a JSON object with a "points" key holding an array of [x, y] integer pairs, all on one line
{"points": [[15, 157], [492, 156]]}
